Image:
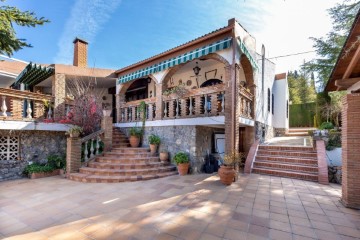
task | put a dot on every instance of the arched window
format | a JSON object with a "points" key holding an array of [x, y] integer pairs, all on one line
{"points": [[272, 103], [268, 102], [287, 109], [211, 82]]}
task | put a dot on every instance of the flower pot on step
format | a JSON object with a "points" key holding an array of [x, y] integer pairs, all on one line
{"points": [[153, 149], [183, 168], [227, 174], [164, 157], [134, 141]]}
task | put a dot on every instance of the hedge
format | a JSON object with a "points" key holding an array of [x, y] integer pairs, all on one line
{"points": [[302, 115]]}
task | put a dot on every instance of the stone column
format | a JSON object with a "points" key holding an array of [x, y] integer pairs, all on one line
{"points": [[39, 109], [59, 94], [17, 106], [120, 100], [107, 126], [159, 104], [350, 151], [73, 154]]}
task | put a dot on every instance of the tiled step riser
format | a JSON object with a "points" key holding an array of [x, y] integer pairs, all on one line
{"points": [[286, 167], [311, 162], [126, 161], [284, 153], [130, 150], [127, 155], [126, 166], [126, 173], [286, 148], [288, 175]]}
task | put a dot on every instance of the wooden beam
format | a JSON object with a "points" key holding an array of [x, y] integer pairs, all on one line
{"points": [[344, 84], [352, 64]]}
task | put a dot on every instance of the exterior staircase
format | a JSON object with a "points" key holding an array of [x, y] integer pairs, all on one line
{"points": [[287, 161], [123, 164], [298, 132]]}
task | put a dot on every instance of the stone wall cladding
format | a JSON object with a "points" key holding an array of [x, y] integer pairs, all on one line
{"points": [[280, 132], [269, 131], [194, 140], [34, 146]]}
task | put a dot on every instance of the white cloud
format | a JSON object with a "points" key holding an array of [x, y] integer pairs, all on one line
{"points": [[86, 19]]}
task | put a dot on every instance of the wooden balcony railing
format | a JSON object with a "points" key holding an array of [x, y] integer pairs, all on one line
{"points": [[22, 105]]}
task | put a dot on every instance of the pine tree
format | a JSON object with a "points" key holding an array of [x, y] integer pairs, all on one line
{"points": [[9, 42]]}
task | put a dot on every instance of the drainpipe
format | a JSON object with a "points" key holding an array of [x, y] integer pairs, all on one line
{"points": [[262, 87]]}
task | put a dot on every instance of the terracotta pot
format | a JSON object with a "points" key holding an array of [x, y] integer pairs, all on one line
{"points": [[74, 134], [153, 148], [227, 174], [183, 168], [164, 156], [134, 141], [44, 174]]}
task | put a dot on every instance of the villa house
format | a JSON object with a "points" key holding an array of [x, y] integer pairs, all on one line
{"points": [[213, 94]]}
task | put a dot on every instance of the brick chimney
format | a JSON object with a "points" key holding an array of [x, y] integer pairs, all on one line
{"points": [[80, 53]]}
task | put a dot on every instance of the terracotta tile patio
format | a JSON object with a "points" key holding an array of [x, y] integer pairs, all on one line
{"points": [[190, 207]]}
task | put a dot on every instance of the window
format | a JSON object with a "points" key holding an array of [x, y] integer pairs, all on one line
{"points": [[287, 109], [9, 148], [268, 102], [272, 104]]}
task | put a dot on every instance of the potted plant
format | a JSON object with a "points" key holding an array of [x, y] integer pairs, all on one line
{"points": [[135, 135], [227, 172], [154, 141], [75, 131], [164, 156], [182, 161]]}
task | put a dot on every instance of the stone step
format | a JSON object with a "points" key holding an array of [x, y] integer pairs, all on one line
{"points": [[120, 145], [130, 149], [127, 160], [286, 148], [287, 153], [297, 134], [288, 174], [125, 155], [126, 172], [286, 166], [80, 177], [292, 130], [126, 165], [281, 159]]}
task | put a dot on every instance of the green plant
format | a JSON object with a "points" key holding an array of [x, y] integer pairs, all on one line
{"points": [[154, 139], [179, 90], [334, 140], [181, 157], [326, 125], [135, 131], [142, 109], [311, 133], [75, 129], [232, 158], [37, 168], [56, 161]]}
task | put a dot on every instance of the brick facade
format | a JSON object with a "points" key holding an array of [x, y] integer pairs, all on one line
{"points": [[80, 53], [73, 155], [350, 151]]}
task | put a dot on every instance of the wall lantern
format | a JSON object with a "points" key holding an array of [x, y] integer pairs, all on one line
{"points": [[196, 69]]}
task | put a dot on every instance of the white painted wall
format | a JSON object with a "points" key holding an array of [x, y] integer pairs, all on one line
{"points": [[281, 95]]}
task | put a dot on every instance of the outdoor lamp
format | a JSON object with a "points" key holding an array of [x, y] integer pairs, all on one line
{"points": [[196, 69]]}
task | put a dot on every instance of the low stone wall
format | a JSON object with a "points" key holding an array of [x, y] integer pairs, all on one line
{"points": [[194, 140], [34, 146], [269, 131]]}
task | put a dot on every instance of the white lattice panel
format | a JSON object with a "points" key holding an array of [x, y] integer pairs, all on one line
{"points": [[9, 148]]}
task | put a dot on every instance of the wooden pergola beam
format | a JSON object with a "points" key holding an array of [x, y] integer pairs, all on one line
{"points": [[352, 64], [344, 84]]}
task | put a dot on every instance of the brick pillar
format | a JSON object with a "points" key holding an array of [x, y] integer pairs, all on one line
{"points": [[59, 94], [237, 107], [350, 151], [159, 102], [73, 154], [107, 126]]}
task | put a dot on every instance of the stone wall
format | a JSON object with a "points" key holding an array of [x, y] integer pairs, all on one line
{"points": [[196, 141], [34, 146], [280, 132], [269, 131]]}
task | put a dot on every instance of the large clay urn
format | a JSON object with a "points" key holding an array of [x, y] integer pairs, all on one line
{"points": [[153, 149], [183, 168], [227, 174], [134, 141]]}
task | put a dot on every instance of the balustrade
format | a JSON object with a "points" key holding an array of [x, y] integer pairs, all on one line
{"points": [[90, 146]]}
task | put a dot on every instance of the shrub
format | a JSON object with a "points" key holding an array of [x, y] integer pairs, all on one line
{"points": [[37, 168], [181, 157], [232, 158], [334, 140], [154, 139], [326, 125], [56, 162], [135, 131]]}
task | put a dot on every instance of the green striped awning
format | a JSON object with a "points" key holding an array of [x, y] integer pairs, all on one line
{"points": [[199, 52], [34, 74], [244, 50]]}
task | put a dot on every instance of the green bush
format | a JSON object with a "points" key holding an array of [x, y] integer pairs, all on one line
{"points": [[56, 161], [37, 168], [135, 131], [154, 139], [334, 140], [181, 157], [326, 125], [302, 115]]}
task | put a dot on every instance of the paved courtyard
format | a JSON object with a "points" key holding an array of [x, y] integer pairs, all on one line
{"points": [[189, 207]]}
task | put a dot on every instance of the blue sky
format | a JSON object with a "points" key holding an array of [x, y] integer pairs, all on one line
{"points": [[121, 32]]}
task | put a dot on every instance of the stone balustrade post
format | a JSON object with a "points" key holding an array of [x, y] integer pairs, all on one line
{"points": [[159, 102], [73, 154], [107, 126]]}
